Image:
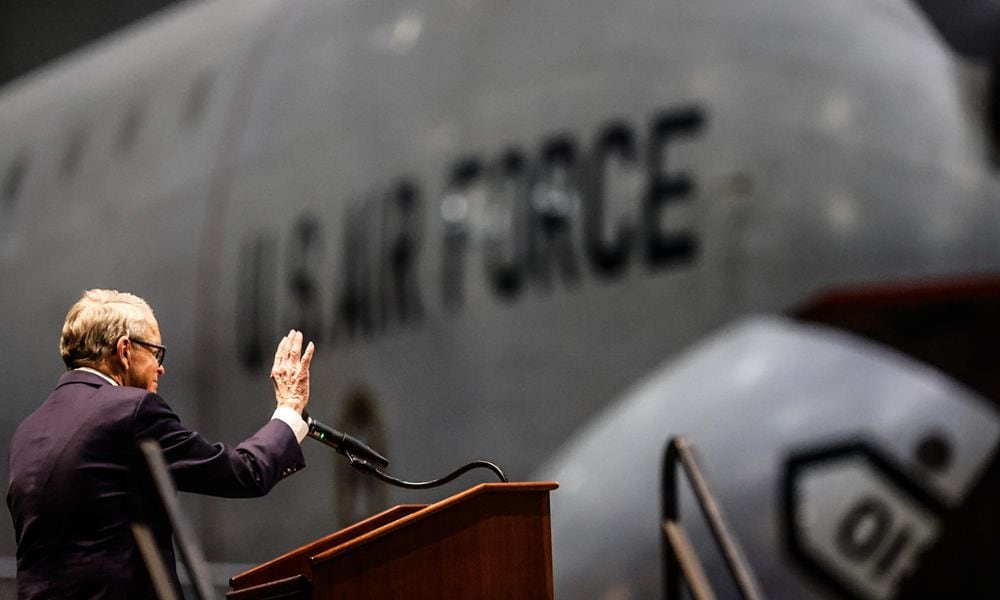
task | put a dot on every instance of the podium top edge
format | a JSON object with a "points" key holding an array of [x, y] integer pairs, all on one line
{"points": [[389, 515], [512, 486], [442, 505]]}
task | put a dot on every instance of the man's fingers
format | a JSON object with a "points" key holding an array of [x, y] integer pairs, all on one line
{"points": [[290, 373], [278, 354], [308, 356], [280, 351], [287, 354]]}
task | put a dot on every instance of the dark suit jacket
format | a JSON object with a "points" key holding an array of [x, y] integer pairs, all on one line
{"points": [[78, 480]]}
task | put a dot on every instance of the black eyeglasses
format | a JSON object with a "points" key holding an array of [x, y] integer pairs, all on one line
{"points": [[159, 351]]}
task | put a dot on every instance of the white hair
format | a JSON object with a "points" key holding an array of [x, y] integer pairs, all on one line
{"points": [[96, 322]]}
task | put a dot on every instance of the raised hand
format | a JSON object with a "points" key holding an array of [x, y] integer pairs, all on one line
{"points": [[290, 373]]}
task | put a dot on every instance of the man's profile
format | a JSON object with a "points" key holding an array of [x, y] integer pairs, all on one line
{"points": [[77, 476]]}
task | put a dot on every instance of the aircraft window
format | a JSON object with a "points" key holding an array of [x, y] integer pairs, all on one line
{"points": [[14, 178], [128, 128], [73, 154], [197, 99], [934, 452]]}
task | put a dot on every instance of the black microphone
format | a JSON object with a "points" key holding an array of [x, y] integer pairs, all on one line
{"points": [[341, 442]]}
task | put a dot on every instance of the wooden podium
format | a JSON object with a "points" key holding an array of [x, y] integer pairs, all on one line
{"points": [[490, 541]]}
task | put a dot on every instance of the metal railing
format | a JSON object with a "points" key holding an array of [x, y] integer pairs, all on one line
{"points": [[681, 560], [183, 534]]}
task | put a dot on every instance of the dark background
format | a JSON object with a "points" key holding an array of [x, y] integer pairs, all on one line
{"points": [[34, 33]]}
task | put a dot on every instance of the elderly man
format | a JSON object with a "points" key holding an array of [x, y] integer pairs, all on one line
{"points": [[78, 479]]}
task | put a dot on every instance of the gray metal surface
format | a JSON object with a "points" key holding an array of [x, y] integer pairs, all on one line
{"points": [[827, 144], [752, 396]]}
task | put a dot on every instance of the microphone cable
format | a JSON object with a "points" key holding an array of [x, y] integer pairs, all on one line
{"points": [[366, 467]]}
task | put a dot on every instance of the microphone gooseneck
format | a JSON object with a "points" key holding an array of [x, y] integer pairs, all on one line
{"points": [[366, 467], [366, 460]]}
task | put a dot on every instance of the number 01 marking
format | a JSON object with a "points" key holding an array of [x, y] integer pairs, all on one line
{"points": [[855, 521]]}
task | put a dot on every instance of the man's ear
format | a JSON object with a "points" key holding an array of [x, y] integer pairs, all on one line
{"points": [[122, 351]]}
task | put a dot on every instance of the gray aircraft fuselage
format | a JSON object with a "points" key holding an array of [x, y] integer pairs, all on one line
{"points": [[492, 218]]}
